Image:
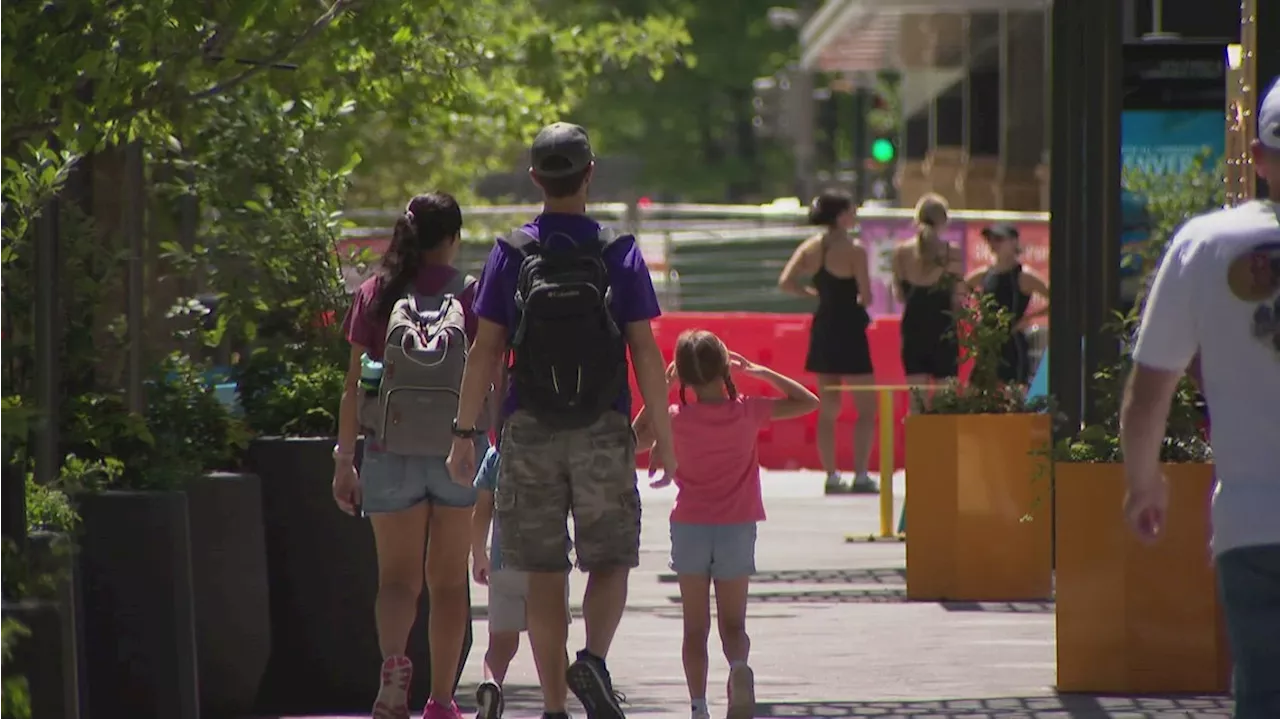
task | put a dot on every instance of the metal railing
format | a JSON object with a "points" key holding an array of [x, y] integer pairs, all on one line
{"points": [[713, 258]]}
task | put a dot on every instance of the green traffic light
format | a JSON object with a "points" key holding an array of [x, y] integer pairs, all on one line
{"points": [[882, 150]]}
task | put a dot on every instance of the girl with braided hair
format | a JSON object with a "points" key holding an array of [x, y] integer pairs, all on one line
{"points": [[718, 501]]}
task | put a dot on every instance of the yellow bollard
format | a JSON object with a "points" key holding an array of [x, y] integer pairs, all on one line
{"points": [[886, 463], [885, 393]]}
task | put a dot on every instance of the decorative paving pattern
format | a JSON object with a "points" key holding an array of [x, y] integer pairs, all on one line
{"points": [[1052, 707], [886, 575]]}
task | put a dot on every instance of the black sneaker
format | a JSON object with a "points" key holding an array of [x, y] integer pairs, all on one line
{"points": [[589, 680], [488, 700]]}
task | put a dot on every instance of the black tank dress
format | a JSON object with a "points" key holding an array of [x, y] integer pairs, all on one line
{"points": [[929, 345], [1015, 363], [838, 339]]}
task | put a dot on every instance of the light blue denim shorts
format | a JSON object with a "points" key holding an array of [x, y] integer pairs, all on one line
{"points": [[395, 482], [719, 551]]}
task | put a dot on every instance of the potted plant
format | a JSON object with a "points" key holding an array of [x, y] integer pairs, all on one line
{"points": [[39, 627], [973, 453], [15, 693], [322, 564], [228, 547], [1133, 618], [142, 560]]}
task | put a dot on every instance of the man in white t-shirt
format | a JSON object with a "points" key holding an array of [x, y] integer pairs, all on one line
{"points": [[1217, 294]]}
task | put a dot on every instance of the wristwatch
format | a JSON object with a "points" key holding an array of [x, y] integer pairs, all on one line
{"points": [[338, 453], [463, 433]]}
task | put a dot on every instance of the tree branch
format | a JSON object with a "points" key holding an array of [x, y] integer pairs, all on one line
{"points": [[317, 26], [275, 59]]}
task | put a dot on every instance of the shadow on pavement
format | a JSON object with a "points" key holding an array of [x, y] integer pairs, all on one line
{"points": [[1038, 607], [526, 701], [825, 596], [888, 575], [520, 701], [1066, 706], [889, 596]]}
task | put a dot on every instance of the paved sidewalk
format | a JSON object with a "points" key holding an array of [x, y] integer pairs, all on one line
{"points": [[832, 634]]}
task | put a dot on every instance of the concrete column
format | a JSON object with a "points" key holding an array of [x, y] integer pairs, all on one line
{"points": [[1066, 370], [1023, 107], [1101, 178]]}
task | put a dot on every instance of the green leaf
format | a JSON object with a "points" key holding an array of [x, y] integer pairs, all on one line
{"points": [[352, 162]]}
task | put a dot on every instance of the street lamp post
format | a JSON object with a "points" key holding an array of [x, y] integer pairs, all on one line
{"points": [[799, 100]]}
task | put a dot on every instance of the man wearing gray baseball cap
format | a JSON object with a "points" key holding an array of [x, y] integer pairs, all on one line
{"points": [[566, 299], [1217, 295], [560, 150]]}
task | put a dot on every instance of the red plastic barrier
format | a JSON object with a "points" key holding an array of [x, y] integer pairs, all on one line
{"points": [[781, 342]]}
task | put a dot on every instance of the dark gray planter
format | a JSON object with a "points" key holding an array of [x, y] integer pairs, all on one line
{"points": [[229, 578], [137, 604], [46, 657], [323, 576]]}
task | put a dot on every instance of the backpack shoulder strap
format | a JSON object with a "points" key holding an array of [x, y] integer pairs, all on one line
{"points": [[519, 240], [458, 284], [608, 236]]}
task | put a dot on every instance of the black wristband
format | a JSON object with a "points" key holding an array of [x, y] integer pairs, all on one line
{"points": [[463, 433]]}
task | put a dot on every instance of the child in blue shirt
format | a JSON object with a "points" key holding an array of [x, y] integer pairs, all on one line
{"points": [[508, 591]]}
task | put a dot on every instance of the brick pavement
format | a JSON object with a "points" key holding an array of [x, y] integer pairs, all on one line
{"points": [[832, 635]]}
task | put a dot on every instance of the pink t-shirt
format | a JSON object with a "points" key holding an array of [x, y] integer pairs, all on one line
{"points": [[718, 479], [363, 328]]}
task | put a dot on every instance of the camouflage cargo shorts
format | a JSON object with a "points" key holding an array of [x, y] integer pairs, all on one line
{"points": [[547, 474]]}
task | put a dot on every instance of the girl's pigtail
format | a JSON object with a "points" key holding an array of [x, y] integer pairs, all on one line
{"points": [[728, 386], [682, 397]]}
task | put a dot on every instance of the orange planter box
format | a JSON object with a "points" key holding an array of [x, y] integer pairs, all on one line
{"points": [[972, 481], [1134, 618]]}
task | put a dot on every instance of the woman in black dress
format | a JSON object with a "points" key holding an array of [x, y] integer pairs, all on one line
{"points": [[838, 349], [1012, 287], [928, 279]]}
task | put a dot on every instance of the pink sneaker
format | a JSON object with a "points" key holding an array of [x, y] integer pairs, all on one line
{"points": [[436, 710], [393, 694]]}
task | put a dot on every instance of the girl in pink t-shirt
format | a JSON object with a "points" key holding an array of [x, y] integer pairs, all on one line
{"points": [[718, 502]]}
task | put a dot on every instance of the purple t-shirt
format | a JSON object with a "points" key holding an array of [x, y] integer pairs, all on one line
{"points": [[633, 298], [362, 327]]}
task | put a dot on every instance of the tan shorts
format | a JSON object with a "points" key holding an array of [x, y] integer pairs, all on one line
{"points": [[547, 474], [508, 596]]}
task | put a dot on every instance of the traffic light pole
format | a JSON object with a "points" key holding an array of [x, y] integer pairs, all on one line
{"points": [[861, 106], [804, 147]]}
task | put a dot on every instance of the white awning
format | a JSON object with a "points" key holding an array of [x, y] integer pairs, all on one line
{"points": [[854, 35]]}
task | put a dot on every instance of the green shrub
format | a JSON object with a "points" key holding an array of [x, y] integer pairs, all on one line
{"points": [[1172, 199], [291, 396]]}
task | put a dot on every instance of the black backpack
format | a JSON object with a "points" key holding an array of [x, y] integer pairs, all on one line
{"points": [[569, 355]]}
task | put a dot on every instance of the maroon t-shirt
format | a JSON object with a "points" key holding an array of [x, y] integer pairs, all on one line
{"points": [[363, 328]]}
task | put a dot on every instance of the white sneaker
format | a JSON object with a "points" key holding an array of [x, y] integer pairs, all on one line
{"points": [[834, 484], [701, 714], [742, 693], [393, 694]]}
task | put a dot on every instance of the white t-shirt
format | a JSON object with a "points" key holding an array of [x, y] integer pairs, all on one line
{"points": [[1217, 292]]}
